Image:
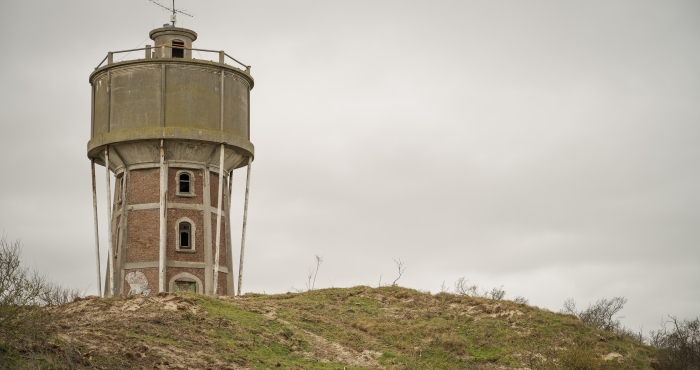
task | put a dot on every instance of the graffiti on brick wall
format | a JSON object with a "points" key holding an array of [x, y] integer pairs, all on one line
{"points": [[137, 282]]}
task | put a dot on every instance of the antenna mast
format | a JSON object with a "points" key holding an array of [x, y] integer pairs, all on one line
{"points": [[173, 17]]}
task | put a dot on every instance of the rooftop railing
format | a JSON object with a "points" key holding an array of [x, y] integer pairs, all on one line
{"points": [[158, 52]]}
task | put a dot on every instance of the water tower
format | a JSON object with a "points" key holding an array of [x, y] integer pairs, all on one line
{"points": [[171, 128]]}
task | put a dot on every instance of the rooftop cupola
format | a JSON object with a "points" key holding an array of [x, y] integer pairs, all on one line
{"points": [[173, 42]]}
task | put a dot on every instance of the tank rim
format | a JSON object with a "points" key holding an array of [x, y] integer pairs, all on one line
{"points": [[153, 32], [233, 69]]}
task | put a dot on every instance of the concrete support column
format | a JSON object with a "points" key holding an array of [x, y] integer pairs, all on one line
{"points": [[230, 287], [163, 210], [245, 223], [121, 237], [110, 252], [97, 237], [208, 268], [218, 218]]}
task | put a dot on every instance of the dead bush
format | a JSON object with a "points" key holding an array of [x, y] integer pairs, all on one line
{"points": [[20, 292], [521, 300], [600, 315], [56, 295], [678, 344], [497, 293], [24, 293], [464, 288]]}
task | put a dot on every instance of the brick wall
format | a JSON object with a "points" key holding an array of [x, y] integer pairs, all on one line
{"points": [[214, 189], [144, 186], [222, 250], [143, 235], [221, 289]]}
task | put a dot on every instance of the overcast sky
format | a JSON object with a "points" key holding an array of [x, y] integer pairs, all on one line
{"points": [[546, 146]]}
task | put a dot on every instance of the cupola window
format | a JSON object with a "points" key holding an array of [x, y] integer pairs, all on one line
{"points": [[178, 49]]}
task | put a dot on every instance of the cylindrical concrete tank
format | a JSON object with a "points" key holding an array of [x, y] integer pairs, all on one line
{"points": [[193, 107]]}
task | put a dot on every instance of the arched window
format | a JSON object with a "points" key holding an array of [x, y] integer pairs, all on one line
{"points": [[185, 184], [178, 49], [185, 282], [185, 235]]}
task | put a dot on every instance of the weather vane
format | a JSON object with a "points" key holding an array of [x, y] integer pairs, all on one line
{"points": [[173, 17]]}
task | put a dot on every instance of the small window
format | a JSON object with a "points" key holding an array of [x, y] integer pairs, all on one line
{"points": [[185, 231], [119, 188], [185, 235], [185, 184], [178, 49]]}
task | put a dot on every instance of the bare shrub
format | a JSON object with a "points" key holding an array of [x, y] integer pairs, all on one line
{"points": [[444, 288], [23, 294], [600, 315], [636, 335], [464, 288], [402, 267], [20, 291], [56, 295], [497, 293], [678, 345], [521, 300], [310, 284]]}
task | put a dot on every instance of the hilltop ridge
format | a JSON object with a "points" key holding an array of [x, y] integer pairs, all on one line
{"points": [[338, 328]]}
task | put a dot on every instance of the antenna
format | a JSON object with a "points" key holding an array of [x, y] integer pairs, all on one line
{"points": [[173, 17]]}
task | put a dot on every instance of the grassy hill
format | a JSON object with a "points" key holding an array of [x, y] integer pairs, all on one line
{"points": [[353, 328]]}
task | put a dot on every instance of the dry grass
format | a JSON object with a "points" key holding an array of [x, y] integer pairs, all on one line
{"points": [[361, 327]]}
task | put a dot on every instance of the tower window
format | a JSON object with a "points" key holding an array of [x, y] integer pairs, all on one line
{"points": [[119, 188], [185, 231], [185, 282], [185, 184], [178, 49]]}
